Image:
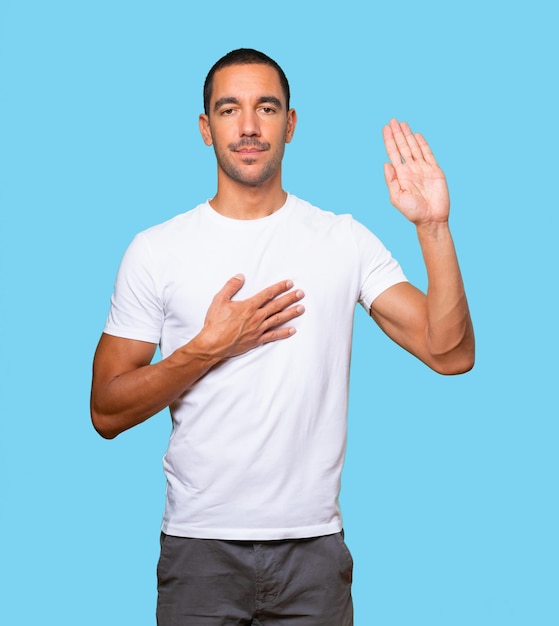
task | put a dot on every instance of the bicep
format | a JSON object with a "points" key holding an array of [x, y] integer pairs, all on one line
{"points": [[116, 356]]}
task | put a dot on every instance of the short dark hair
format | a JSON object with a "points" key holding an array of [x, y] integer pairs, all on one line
{"points": [[243, 56]]}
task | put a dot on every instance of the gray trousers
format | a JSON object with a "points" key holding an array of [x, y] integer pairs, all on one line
{"points": [[209, 582]]}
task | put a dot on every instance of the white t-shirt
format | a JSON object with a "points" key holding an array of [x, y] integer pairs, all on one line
{"points": [[258, 443]]}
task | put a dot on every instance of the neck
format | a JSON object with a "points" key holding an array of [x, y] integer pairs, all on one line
{"points": [[245, 202]]}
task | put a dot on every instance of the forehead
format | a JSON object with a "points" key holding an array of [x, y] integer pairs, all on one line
{"points": [[247, 81]]}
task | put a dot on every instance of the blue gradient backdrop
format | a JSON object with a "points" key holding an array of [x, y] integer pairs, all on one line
{"points": [[450, 486]]}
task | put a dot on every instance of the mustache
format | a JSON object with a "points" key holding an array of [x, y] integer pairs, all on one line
{"points": [[249, 142]]}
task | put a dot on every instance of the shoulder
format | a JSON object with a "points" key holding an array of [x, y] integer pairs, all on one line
{"points": [[341, 225], [173, 228], [159, 243], [310, 213]]}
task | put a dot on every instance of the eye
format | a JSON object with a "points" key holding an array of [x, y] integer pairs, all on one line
{"points": [[227, 111], [268, 110]]}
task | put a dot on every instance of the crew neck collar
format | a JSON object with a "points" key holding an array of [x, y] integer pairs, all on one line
{"points": [[251, 223]]}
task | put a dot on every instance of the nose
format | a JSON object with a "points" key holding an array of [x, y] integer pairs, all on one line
{"points": [[249, 125]]}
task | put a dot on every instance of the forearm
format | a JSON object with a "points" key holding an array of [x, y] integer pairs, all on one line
{"points": [[129, 398], [449, 331]]}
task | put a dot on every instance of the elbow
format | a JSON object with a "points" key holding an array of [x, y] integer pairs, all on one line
{"points": [[104, 431], [106, 434], [454, 358], [459, 361], [102, 424], [455, 368]]}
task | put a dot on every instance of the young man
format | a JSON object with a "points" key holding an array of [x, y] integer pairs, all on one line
{"points": [[255, 366]]}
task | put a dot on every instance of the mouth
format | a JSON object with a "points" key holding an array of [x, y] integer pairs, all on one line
{"points": [[248, 151], [250, 147]]}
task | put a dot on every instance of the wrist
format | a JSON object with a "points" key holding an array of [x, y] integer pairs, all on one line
{"points": [[205, 348], [433, 229], [199, 352]]}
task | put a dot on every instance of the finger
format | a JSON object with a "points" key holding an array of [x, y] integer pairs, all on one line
{"points": [[282, 317], [282, 302], [231, 287], [425, 149], [391, 147], [400, 140], [275, 326], [271, 292], [277, 334], [413, 144]]}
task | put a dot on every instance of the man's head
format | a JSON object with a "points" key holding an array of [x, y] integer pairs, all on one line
{"points": [[248, 121], [243, 56]]}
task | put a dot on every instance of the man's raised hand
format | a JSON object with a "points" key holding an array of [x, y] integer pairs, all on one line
{"points": [[416, 184]]}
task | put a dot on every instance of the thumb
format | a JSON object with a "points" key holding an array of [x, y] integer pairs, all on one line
{"points": [[391, 179], [390, 174], [232, 286]]}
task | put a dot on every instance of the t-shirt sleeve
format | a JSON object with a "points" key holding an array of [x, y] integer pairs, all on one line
{"points": [[379, 269], [136, 310]]}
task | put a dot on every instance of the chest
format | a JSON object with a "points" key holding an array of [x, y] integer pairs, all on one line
{"points": [[323, 264]]}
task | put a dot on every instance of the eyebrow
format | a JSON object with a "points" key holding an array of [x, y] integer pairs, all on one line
{"points": [[262, 100]]}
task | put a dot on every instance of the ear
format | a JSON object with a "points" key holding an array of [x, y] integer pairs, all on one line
{"points": [[291, 123], [204, 124]]}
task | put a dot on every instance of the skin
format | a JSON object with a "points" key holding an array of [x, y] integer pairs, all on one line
{"points": [[248, 126], [435, 327]]}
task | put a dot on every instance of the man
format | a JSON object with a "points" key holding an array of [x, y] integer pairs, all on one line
{"points": [[255, 365]]}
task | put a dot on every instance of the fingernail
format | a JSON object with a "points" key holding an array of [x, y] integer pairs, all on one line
{"points": [[300, 309], [289, 284], [300, 293]]}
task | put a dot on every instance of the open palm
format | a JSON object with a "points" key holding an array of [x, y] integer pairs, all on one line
{"points": [[416, 184]]}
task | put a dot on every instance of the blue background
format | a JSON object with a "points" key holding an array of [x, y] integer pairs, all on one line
{"points": [[450, 485]]}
